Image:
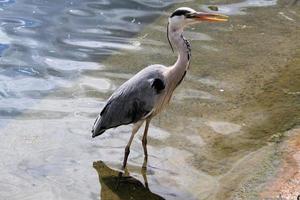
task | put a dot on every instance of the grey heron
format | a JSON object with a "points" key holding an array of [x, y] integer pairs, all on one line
{"points": [[148, 92]]}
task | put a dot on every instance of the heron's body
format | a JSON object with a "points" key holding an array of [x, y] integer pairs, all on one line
{"points": [[148, 92], [130, 104]]}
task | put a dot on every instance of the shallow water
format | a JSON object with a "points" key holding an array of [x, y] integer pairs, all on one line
{"points": [[60, 61]]}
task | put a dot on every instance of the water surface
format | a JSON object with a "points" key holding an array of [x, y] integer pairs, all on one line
{"points": [[60, 61]]}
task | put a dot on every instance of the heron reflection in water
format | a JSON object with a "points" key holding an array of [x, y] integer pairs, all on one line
{"points": [[147, 93], [116, 187]]}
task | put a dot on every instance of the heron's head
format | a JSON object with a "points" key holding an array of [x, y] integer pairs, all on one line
{"points": [[184, 16]]}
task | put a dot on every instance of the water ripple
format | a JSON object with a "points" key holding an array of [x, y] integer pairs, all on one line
{"points": [[100, 45], [81, 13], [4, 3], [18, 22]]}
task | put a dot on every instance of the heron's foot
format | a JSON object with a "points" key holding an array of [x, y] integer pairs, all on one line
{"points": [[118, 180], [124, 165], [144, 172], [126, 172], [144, 167], [123, 177]]}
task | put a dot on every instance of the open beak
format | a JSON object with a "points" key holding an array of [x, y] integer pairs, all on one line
{"points": [[211, 17]]}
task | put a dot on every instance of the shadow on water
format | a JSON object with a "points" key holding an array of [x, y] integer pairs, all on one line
{"points": [[115, 187]]}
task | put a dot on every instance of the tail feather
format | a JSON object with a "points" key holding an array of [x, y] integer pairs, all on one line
{"points": [[97, 128]]}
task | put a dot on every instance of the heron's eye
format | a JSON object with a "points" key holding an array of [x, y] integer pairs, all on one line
{"points": [[180, 13]]}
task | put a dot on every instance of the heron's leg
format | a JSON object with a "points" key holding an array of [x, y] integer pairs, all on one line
{"points": [[144, 140], [135, 129], [144, 173]]}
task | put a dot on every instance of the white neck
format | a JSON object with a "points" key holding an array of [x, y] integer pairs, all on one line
{"points": [[182, 46]]}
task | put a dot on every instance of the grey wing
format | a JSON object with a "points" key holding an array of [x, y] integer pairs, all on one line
{"points": [[134, 100]]}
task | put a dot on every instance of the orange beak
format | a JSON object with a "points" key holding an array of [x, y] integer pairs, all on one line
{"points": [[201, 16]]}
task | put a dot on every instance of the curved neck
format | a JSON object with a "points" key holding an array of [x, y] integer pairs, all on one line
{"points": [[183, 48]]}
